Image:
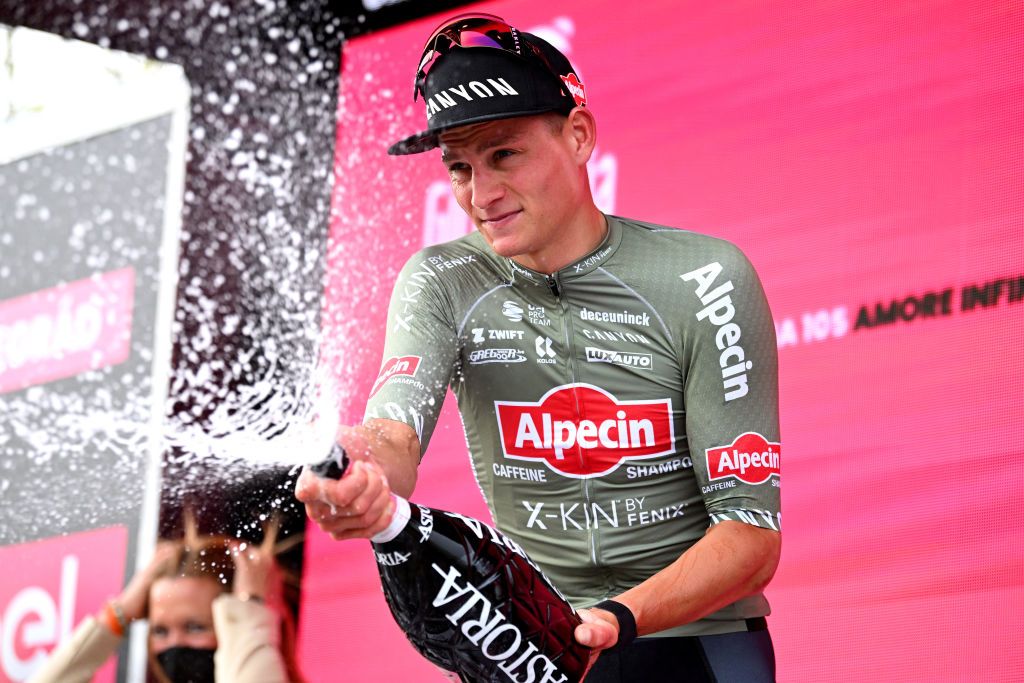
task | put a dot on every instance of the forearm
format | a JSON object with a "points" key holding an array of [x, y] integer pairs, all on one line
{"points": [[76, 660], [393, 446], [733, 560], [248, 640]]}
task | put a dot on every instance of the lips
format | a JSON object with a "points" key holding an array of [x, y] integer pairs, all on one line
{"points": [[500, 220]]}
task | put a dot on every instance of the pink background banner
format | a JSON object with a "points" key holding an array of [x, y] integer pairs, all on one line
{"points": [[866, 157], [62, 331], [48, 587]]}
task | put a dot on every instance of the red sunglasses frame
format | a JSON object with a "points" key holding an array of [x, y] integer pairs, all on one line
{"points": [[492, 31]]}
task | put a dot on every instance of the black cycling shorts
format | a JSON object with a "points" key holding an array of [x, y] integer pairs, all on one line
{"points": [[743, 657]]}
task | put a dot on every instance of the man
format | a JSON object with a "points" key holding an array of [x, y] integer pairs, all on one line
{"points": [[617, 380]]}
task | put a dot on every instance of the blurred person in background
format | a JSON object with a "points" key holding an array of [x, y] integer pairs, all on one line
{"points": [[215, 612], [623, 423]]}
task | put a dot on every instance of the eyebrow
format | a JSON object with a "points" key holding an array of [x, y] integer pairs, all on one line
{"points": [[499, 139]]}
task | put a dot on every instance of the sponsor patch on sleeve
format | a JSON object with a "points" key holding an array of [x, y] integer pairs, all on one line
{"points": [[750, 458], [393, 367]]}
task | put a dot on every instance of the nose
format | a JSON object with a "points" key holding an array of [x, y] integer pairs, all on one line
{"points": [[487, 188]]}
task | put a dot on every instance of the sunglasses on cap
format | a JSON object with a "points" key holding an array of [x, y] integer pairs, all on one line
{"points": [[475, 30]]}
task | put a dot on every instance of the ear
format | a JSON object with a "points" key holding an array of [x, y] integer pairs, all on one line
{"points": [[581, 131]]}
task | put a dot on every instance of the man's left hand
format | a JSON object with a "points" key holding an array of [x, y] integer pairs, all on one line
{"points": [[599, 630]]}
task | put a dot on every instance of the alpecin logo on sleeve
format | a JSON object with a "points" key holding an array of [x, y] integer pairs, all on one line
{"points": [[750, 458], [582, 431], [392, 367]]}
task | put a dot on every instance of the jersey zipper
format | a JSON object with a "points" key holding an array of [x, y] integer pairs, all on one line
{"points": [[555, 287]]}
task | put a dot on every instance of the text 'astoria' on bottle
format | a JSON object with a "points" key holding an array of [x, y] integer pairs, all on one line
{"points": [[469, 599]]}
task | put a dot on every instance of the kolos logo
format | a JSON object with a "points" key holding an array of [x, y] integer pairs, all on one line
{"points": [[404, 365], [750, 458], [582, 431]]}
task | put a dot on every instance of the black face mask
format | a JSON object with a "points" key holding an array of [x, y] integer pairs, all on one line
{"points": [[187, 664]]}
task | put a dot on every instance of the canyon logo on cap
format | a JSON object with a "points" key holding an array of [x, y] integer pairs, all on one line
{"points": [[463, 79]]}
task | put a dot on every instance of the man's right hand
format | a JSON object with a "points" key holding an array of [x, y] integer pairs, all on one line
{"points": [[359, 505], [134, 599]]}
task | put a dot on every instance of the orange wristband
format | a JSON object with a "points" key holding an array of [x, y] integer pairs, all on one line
{"points": [[114, 619]]}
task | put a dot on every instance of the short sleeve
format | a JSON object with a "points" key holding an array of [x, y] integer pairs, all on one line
{"points": [[421, 350], [732, 391]]}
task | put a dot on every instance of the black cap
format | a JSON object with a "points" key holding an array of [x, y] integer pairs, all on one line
{"points": [[477, 84]]}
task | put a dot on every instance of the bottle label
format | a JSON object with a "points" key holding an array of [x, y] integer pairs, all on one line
{"points": [[489, 631], [398, 521]]}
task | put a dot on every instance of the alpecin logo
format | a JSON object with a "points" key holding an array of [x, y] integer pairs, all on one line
{"points": [[612, 431], [575, 88], [392, 367], [750, 458]]}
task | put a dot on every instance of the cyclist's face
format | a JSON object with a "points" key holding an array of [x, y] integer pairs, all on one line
{"points": [[520, 181]]}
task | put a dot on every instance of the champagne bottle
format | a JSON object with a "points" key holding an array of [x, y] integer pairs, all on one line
{"points": [[469, 599]]}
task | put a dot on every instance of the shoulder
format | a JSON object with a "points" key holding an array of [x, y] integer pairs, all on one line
{"points": [[658, 236], [450, 276], [662, 250], [436, 259]]}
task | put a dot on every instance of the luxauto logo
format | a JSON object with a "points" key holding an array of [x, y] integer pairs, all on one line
{"points": [[613, 432], [629, 360]]}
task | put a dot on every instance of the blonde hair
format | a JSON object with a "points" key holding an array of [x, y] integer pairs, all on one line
{"points": [[202, 556]]}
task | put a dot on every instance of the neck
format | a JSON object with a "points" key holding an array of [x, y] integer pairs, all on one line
{"points": [[581, 235]]}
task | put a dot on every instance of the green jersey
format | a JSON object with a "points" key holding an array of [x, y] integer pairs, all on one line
{"points": [[613, 410]]}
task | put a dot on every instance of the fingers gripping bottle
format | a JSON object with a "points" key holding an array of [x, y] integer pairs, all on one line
{"points": [[469, 599]]}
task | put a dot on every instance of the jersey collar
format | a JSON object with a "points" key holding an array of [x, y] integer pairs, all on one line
{"points": [[590, 262]]}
